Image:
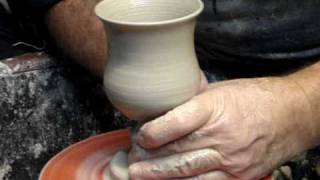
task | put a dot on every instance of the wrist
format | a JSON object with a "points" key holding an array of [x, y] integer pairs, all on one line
{"points": [[289, 107], [303, 101]]}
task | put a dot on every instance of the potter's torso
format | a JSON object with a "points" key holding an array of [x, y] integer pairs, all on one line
{"points": [[248, 30], [257, 30]]}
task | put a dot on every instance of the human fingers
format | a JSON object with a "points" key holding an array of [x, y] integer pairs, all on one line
{"points": [[177, 166], [177, 123], [191, 142], [214, 175]]}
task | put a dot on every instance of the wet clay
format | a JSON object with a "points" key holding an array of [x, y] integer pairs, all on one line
{"points": [[152, 65], [119, 166]]}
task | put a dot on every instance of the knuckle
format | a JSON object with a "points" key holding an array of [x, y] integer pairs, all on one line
{"points": [[205, 159], [212, 158]]}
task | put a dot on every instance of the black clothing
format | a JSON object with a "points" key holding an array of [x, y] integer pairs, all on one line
{"points": [[253, 31], [259, 31], [21, 26]]}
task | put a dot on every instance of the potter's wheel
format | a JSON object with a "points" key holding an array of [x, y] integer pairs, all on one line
{"points": [[88, 159]]}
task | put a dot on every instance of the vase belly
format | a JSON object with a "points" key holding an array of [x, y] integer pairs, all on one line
{"points": [[151, 70]]}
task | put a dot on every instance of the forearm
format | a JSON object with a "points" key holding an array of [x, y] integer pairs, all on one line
{"points": [[79, 33], [308, 80]]}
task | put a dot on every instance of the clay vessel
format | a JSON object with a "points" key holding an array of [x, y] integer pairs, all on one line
{"points": [[152, 66]]}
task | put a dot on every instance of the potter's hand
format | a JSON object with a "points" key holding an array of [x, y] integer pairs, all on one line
{"points": [[239, 129]]}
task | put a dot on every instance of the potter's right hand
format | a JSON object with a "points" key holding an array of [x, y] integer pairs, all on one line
{"points": [[239, 129]]}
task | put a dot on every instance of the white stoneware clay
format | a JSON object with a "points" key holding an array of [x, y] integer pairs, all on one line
{"points": [[119, 166], [152, 65]]}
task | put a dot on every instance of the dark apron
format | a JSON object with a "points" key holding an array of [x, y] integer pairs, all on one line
{"points": [[258, 31]]}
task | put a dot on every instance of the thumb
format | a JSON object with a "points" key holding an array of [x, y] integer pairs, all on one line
{"points": [[177, 123]]}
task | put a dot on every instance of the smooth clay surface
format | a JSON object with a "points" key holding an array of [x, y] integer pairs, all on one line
{"points": [[118, 169], [152, 66]]}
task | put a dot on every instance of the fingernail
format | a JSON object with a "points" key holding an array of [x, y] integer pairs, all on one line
{"points": [[139, 136], [142, 129]]}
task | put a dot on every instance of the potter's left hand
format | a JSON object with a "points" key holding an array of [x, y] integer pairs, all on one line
{"points": [[239, 129]]}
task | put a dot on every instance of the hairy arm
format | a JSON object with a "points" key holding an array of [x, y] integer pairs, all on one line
{"points": [[79, 33]]}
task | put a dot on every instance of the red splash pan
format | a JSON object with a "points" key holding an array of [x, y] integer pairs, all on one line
{"points": [[88, 159]]}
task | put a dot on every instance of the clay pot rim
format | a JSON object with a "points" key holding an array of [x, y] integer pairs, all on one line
{"points": [[146, 24]]}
